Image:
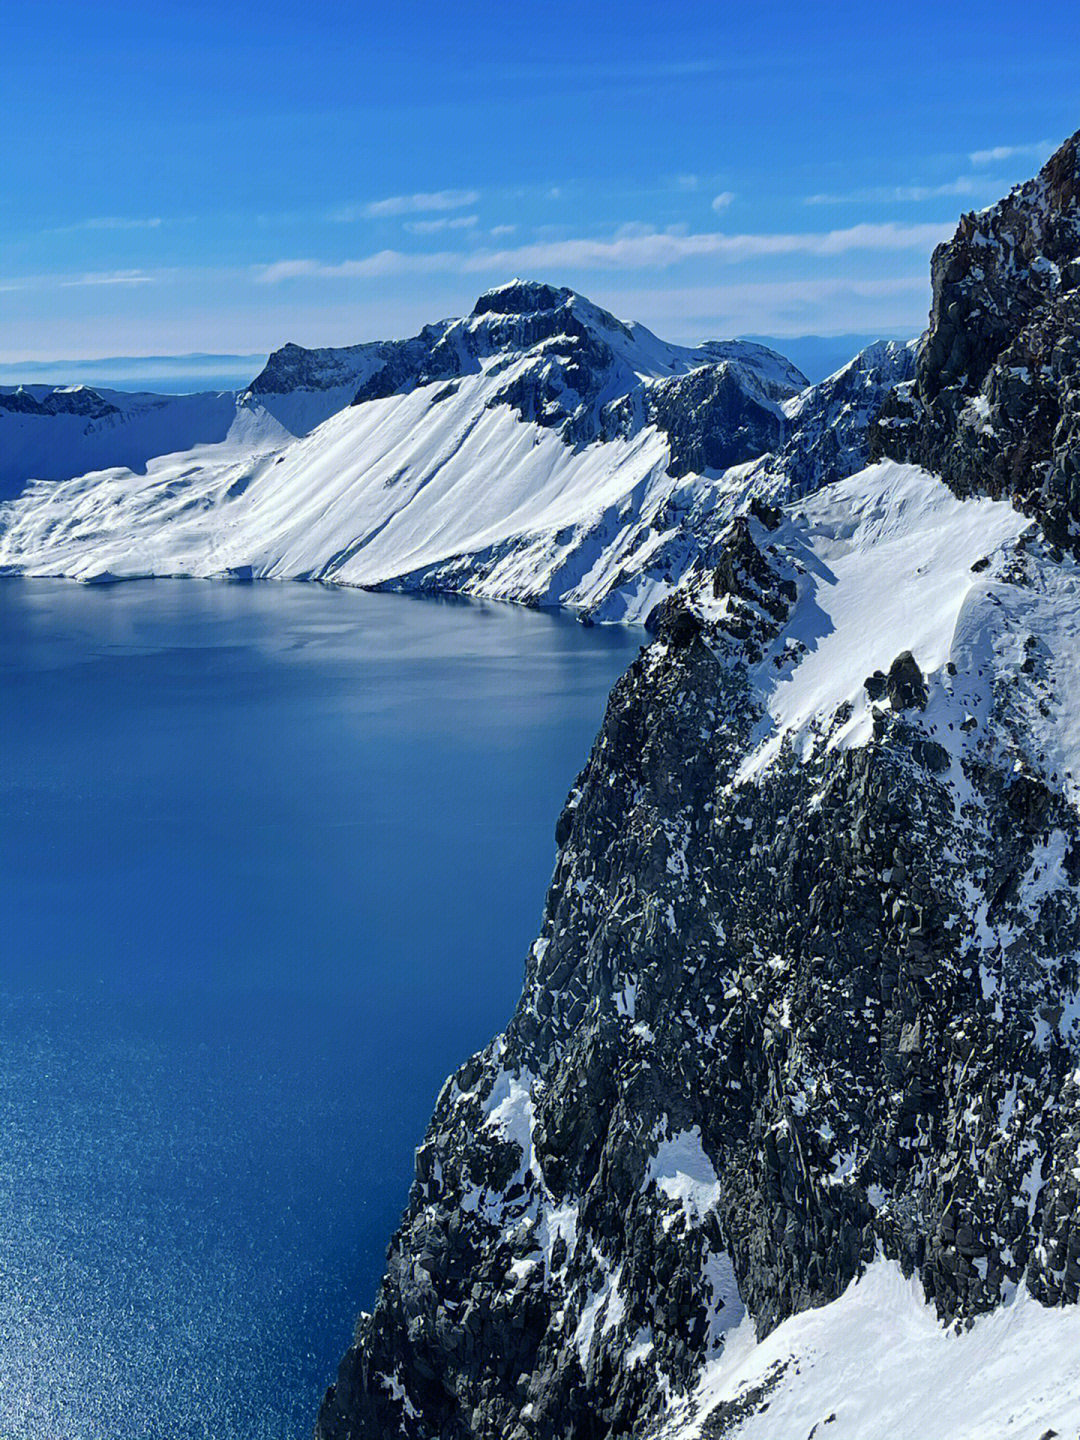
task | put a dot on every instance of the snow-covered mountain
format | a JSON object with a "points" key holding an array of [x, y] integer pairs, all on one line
{"points": [[536, 450], [54, 432], [782, 1138], [781, 1141]]}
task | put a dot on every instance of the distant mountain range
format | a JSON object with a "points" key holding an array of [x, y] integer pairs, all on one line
{"points": [[815, 355], [163, 374], [536, 450]]}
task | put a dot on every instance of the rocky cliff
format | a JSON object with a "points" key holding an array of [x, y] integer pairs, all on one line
{"points": [[995, 404], [805, 998]]}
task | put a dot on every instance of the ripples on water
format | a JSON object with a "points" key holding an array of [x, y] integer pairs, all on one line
{"points": [[270, 859]]}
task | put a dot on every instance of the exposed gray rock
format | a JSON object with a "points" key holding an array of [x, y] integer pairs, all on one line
{"points": [[995, 404], [838, 999], [780, 983], [905, 685], [830, 422], [61, 400], [715, 418]]}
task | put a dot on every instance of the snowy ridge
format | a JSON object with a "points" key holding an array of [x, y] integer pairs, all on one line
{"points": [[56, 432], [792, 1083], [536, 450], [882, 563]]}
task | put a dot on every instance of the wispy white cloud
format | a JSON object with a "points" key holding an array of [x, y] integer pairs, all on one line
{"points": [[799, 306], [70, 280], [108, 223], [118, 222], [445, 222], [655, 251], [1040, 150], [687, 182], [497, 232], [109, 277], [418, 204], [723, 200], [906, 194]]}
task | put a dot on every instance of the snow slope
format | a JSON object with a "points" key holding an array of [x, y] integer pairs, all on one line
{"points": [[56, 432], [890, 560], [524, 452], [877, 1365], [379, 492], [882, 562]]}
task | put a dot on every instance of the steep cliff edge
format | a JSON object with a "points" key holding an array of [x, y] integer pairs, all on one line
{"points": [[805, 1005], [995, 404]]}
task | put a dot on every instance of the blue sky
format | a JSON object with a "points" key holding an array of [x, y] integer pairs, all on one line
{"points": [[225, 177]]}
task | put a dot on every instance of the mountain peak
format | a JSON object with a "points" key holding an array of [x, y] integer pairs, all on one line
{"points": [[995, 403], [521, 297]]}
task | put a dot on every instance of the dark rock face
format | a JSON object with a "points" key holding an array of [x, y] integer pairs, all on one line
{"points": [[521, 297], [779, 1020], [995, 404], [905, 685], [380, 368], [713, 420], [830, 424], [760, 1038]]}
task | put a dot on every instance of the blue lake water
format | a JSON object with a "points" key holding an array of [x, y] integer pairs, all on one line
{"points": [[270, 861]]}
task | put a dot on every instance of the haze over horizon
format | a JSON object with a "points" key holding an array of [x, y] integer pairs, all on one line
{"points": [[246, 184]]}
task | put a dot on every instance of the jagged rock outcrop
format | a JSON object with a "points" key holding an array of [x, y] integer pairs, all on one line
{"points": [[778, 1020], [806, 993], [995, 404], [78, 400], [714, 419], [830, 423]]}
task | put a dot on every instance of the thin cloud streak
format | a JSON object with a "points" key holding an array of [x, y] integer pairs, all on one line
{"points": [[838, 305], [630, 252], [1040, 150], [907, 194], [433, 227], [111, 222], [109, 277], [417, 204], [66, 280]]}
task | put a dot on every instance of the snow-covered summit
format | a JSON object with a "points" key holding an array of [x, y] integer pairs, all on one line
{"points": [[537, 449], [582, 360]]}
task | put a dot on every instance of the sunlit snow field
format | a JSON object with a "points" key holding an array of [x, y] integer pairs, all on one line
{"points": [[270, 860]]}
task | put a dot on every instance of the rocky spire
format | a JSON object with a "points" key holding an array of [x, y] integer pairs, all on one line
{"points": [[995, 405]]}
